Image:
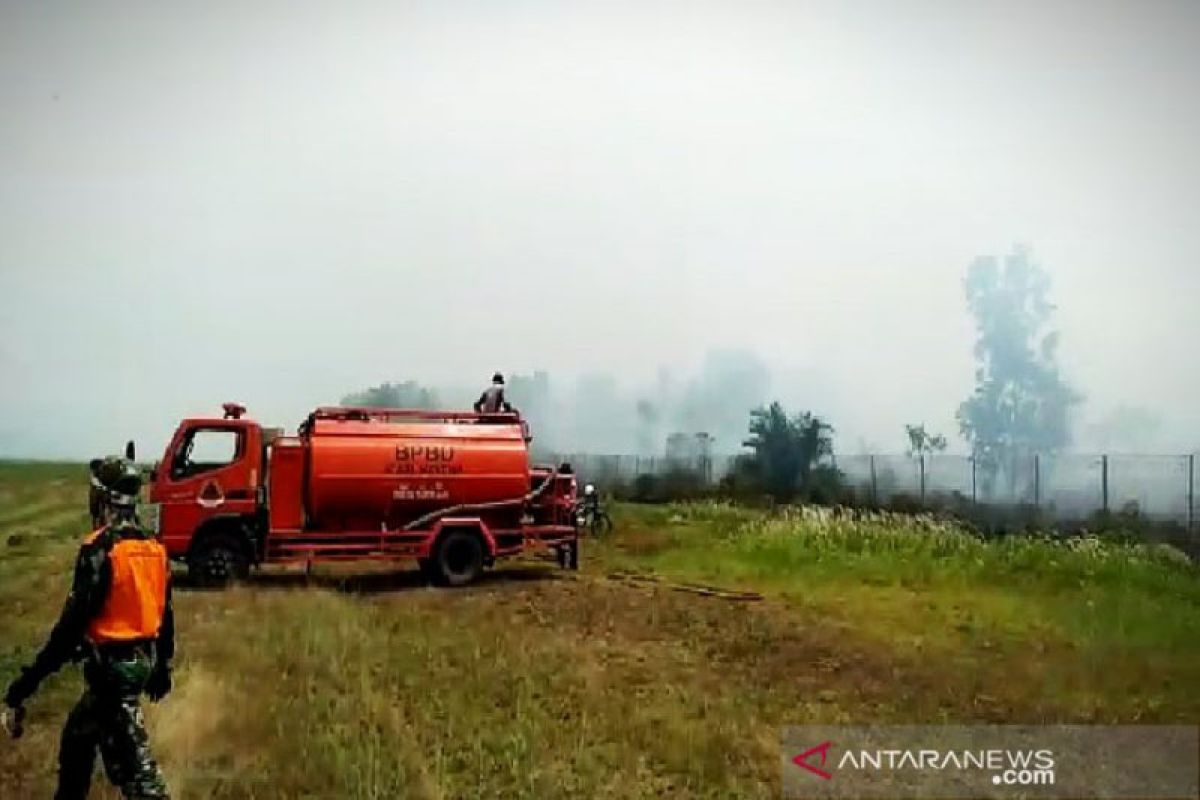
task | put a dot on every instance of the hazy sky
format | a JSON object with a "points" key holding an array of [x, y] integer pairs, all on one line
{"points": [[280, 202]]}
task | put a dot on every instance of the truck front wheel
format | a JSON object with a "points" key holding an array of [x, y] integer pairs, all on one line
{"points": [[458, 559], [217, 560]]}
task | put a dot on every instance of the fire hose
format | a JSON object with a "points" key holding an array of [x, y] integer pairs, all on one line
{"points": [[524, 499]]}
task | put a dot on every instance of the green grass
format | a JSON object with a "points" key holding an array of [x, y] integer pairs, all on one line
{"points": [[1122, 614], [543, 684]]}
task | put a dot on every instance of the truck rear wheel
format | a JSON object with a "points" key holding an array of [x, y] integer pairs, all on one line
{"points": [[217, 560], [458, 559]]}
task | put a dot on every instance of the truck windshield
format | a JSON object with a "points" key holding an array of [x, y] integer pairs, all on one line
{"points": [[204, 450]]}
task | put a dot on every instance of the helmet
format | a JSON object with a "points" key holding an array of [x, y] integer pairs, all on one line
{"points": [[497, 378], [589, 489], [121, 480]]}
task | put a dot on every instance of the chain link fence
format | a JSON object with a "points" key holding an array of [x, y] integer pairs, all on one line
{"points": [[609, 469], [1063, 486]]}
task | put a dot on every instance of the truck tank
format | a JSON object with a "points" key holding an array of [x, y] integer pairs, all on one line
{"points": [[365, 470]]}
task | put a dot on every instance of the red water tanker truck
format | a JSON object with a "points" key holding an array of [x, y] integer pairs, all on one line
{"points": [[453, 490]]}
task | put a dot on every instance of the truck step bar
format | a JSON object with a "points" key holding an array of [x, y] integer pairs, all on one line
{"points": [[304, 545]]}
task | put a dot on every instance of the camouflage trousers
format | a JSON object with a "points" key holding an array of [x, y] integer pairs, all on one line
{"points": [[108, 719]]}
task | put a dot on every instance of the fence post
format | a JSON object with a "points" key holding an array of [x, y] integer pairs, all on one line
{"points": [[874, 483], [1037, 480], [1104, 481], [1191, 492]]}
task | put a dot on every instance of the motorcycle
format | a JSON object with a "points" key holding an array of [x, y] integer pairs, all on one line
{"points": [[590, 515]]}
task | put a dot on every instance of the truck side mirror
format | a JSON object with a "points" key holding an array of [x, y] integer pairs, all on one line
{"points": [[130, 451]]}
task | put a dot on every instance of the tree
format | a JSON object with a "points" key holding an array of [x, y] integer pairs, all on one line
{"points": [[1021, 404], [787, 451], [408, 394], [922, 443]]}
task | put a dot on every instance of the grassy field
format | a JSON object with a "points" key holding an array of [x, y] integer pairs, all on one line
{"points": [[612, 683]]}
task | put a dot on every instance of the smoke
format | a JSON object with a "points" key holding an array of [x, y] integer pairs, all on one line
{"points": [[1127, 429], [597, 413]]}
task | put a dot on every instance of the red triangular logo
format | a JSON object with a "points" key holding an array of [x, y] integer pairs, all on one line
{"points": [[802, 760]]}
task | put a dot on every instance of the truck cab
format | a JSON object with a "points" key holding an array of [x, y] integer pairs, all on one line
{"points": [[209, 481]]}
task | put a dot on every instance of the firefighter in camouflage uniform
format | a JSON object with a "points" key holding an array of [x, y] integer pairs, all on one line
{"points": [[118, 620]]}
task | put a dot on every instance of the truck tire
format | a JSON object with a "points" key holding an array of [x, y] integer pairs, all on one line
{"points": [[217, 560], [458, 559]]}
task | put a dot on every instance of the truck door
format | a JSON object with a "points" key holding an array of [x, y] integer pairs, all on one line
{"points": [[211, 471]]}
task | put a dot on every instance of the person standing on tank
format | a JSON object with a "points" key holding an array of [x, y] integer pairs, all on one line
{"points": [[492, 400]]}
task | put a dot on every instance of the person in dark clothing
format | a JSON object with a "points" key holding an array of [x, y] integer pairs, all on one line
{"points": [[96, 493], [492, 400], [118, 619], [591, 500]]}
